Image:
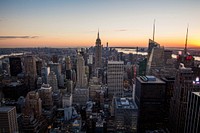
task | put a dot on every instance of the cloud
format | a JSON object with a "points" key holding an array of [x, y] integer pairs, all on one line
{"points": [[15, 37], [122, 30]]}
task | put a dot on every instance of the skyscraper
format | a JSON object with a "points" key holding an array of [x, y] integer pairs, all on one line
{"points": [[33, 103], [81, 75], [115, 77], [56, 67], [192, 123], [183, 86], [15, 66], [45, 93], [98, 52], [185, 57], [30, 70], [150, 99], [52, 81], [8, 120]]}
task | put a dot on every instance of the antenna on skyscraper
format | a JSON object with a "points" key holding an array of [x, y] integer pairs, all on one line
{"points": [[154, 29], [186, 40]]}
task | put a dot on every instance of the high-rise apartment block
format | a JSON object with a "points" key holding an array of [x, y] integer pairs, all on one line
{"points": [[115, 77], [8, 120]]}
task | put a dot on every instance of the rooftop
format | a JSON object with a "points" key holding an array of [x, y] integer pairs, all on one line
{"points": [[150, 79], [197, 93], [125, 103], [6, 108], [115, 62]]}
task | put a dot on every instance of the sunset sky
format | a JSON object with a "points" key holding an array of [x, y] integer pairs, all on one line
{"points": [[74, 23]]}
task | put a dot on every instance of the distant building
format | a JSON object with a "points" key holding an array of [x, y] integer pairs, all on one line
{"points": [[192, 123], [15, 65], [30, 70], [39, 67], [44, 73], [150, 99], [81, 74], [56, 68], [115, 77], [125, 115], [152, 44], [80, 96], [156, 59], [45, 93], [52, 81], [67, 100], [33, 103], [98, 53], [8, 120]]}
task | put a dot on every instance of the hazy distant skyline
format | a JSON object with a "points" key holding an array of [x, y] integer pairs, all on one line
{"points": [[65, 23]]}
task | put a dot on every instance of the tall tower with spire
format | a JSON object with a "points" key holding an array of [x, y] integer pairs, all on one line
{"points": [[185, 57], [98, 52]]}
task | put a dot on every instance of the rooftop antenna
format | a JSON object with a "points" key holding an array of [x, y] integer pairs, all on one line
{"points": [[98, 33], [186, 40], [154, 29]]}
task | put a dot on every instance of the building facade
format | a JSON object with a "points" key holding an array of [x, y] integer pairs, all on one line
{"points": [[8, 120], [115, 77], [150, 99]]}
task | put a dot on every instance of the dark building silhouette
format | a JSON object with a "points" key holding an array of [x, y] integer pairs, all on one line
{"points": [[150, 99], [39, 67], [15, 66]]}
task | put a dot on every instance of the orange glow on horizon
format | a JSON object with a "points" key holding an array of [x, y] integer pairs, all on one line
{"points": [[63, 42]]}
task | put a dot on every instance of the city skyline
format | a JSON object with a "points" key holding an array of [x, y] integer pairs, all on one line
{"points": [[75, 23]]}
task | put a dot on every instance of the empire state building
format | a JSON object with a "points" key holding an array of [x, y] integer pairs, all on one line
{"points": [[98, 52]]}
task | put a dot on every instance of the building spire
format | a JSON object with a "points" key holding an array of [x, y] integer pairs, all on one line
{"points": [[186, 40], [154, 29], [98, 34]]}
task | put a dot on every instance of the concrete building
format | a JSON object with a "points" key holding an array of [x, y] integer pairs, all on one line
{"points": [[8, 120], [150, 99], [192, 123], [45, 93], [115, 77], [125, 115]]}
